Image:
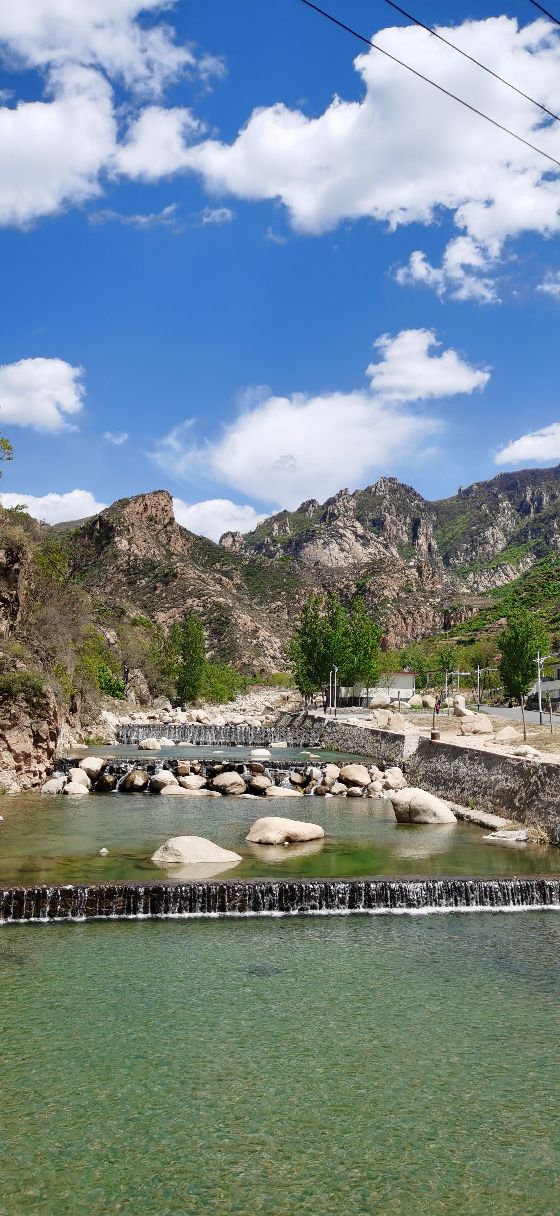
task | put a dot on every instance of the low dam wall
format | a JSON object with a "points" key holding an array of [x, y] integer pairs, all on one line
{"points": [[125, 901], [215, 736], [527, 791]]}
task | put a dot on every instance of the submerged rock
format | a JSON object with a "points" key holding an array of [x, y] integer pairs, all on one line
{"points": [[273, 829], [195, 850], [417, 806], [282, 791]]}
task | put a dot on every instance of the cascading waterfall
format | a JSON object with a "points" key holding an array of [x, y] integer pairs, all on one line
{"points": [[122, 901]]}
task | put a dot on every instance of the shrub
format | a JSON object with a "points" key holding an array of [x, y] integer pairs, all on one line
{"points": [[221, 683], [27, 684]]}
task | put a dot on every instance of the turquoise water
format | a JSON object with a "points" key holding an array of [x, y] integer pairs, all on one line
{"points": [[57, 839], [294, 1068]]}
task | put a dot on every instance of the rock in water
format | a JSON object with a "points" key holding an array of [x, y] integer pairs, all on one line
{"points": [[149, 745], [161, 780], [93, 766], [229, 783], [106, 783], [193, 850], [282, 791], [417, 806], [54, 786], [259, 783], [192, 782], [260, 753], [134, 782], [275, 830], [75, 787], [355, 774]]}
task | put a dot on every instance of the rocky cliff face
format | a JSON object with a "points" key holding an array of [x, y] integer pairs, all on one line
{"points": [[29, 734]]}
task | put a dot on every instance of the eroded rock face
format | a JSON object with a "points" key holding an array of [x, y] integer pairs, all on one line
{"points": [[273, 829], [137, 688], [29, 735]]}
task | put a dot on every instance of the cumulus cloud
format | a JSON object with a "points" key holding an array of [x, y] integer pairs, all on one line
{"points": [[215, 516], [56, 508], [116, 437], [282, 449], [542, 446], [157, 143], [459, 276], [40, 393], [551, 284], [378, 158], [101, 33]]}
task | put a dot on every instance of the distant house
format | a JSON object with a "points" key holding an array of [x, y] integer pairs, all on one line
{"points": [[400, 685]]}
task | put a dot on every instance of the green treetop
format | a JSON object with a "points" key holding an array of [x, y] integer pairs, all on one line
{"points": [[523, 637]]}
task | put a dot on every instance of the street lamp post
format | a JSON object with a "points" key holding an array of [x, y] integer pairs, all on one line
{"points": [[335, 670]]}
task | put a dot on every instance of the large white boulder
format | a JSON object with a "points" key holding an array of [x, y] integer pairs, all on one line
{"points": [[54, 786], [428, 702], [229, 783], [393, 779], [355, 774], [260, 753], [507, 734], [417, 806], [160, 781], [194, 850], [134, 782], [165, 742], [75, 788], [259, 783], [192, 782], [332, 774], [459, 708], [282, 791], [275, 830], [415, 701], [79, 777], [149, 745], [379, 700], [476, 724], [396, 722], [93, 766]]}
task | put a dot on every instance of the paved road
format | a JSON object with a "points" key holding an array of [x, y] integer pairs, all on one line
{"points": [[532, 715]]}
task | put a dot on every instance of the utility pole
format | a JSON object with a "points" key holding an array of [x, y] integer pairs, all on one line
{"points": [[330, 692], [478, 685], [539, 685], [335, 669]]}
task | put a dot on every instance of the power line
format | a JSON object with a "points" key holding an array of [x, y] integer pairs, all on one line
{"points": [[545, 11], [472, 59], [427, 80]]}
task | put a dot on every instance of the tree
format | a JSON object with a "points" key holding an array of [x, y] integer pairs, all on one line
{"points": [[188, 637], [522, 639], [6, 450], [520, 642], [307, 648], [364, 638]]}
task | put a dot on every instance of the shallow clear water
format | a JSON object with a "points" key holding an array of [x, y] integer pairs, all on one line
{"points": [[312, 1067], [46, 839]]}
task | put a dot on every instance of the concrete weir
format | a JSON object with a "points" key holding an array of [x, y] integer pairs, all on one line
{"points": [[135, 901]]}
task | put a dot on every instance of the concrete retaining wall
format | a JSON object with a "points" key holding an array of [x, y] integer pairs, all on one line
{"points": [[524, 790]]}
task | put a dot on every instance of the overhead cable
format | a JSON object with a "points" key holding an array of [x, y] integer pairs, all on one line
{"points": [[545, 11], [447, 93], [471, 58]]}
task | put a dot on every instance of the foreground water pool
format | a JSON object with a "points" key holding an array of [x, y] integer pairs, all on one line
{"points": [[46, 839], [322, 1066]]}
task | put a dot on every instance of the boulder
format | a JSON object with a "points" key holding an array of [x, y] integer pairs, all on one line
{"points": [[93, 766], [355, 791], [162, 705], [383, 717], [183, 768], [134, 782], [149, 745], [459, 708], [180, 792], [105, 783], [165, 742], [415, 701], [136, 688], [428, 702], [417, 806], [282, 791], [76, 788], [259, 783], [507, 734], [275, 830], [476, 724], [527, 752], [229, 783], [297, 779], [332, 773], [355, 774], [396, 722], [192, 782], [194, 850], [338, 789], [323, 791], [54, 786], [379, 700], [261, 753], [161, 780], [393, 779], [375, 789], [79, 777]]}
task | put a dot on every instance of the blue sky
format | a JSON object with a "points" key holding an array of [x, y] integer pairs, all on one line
{"points": [[254, 319]]}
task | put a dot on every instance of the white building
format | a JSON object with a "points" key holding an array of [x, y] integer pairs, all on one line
{"points": [[400, 685]]}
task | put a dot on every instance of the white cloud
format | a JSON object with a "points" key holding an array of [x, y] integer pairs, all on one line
{"points": [[551, 284], [56, 508], [283, 449], [408, 371], [459, 275], [166, 218], [217, 215], [40, 393], [542, 446], [101, 33], [156, 143], [116, 437], [379, 157], [215, 516]]}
